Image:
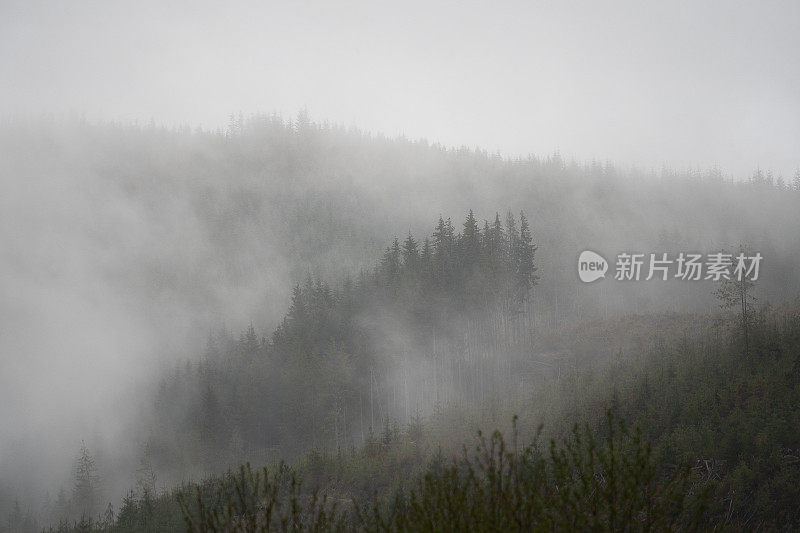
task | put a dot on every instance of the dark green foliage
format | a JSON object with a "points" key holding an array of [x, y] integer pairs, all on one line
{"points": [[251, 501], [706, 402], [582, 484]]}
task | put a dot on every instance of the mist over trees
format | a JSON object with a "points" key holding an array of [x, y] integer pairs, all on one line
{"points": [[412, 266], [421, 330], [253, 315]]}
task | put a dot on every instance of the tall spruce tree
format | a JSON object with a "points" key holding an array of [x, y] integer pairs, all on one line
{"points": [[470, 244], [525, 270], [443, 244], [511, 256], [390, 265], [410, 254], [86, 491]]}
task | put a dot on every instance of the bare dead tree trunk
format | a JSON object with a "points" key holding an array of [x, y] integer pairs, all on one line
{"points": [[743, 294]]}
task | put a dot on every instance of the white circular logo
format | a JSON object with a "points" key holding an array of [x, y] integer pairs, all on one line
{"points": [[591, 266]]}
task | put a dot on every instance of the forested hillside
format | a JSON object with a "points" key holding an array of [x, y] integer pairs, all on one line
{"points": [[399, 266], [715, 448], [254, 317]]}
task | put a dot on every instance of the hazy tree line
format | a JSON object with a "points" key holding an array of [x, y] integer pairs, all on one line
{"points": [[284, 196], [429, 325]]}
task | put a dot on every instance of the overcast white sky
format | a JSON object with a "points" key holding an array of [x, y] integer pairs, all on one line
{"points": [[686, 83]]}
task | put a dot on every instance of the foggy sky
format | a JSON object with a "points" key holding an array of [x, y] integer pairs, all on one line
{"points": [[645, 83]]}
